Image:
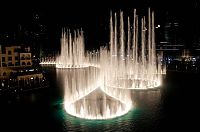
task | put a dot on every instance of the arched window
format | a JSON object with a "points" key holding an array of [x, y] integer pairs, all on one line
{"points": [[23, 57], [4, 74], [29, 63], [11, 73], [23, 63], [28, 57]]}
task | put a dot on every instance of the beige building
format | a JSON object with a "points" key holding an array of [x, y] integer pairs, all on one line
{"points": [[16, 73], [23, 77], [13, 56], [25, 59], [10, 56], [5, 72]]}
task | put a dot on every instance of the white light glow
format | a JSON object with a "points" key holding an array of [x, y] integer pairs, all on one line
{"points": [[98, 84]]}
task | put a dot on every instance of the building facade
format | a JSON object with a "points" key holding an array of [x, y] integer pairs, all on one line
{"points": [[15, 56]]}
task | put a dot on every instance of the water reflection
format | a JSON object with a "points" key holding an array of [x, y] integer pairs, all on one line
{"points": [[145, 115]]}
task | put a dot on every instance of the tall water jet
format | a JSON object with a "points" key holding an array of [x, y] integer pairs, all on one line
{"points": [[131, 63], [98, 84], [80, 73], [72, 53]]}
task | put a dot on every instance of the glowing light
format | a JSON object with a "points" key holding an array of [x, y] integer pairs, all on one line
{"points": [[98, 84], [158, 26]]}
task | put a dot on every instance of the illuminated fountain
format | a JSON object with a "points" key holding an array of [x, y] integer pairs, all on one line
{"points": [[131, 63], [48, 61], [85, 96], [99, 84], [72, 51]]}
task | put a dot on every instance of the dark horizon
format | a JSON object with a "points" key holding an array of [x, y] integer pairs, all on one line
{"points": [[93, 17]]}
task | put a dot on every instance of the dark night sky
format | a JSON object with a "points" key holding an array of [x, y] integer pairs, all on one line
{"points": [[93, 16]]}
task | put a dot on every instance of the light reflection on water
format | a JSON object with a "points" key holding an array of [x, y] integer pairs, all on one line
{"points": [[159, 110], [143, 117]]}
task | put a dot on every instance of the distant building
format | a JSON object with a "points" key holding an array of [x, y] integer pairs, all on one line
{"points": [[15, 56], [16, 71], [25, 59], [170, 35]]}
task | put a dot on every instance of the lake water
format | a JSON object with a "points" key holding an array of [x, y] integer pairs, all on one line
{"points": [[173, 107]]}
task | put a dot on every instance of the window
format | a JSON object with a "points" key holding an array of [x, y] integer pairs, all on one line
{"points": [[10, 58], [10, 64], [9, 52], [4, 64], [29, 63], [23, 57], [23, 63], [16, 63], [3, 59], [4, 74], [16, 58], [11, 73], [28, 57]]}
